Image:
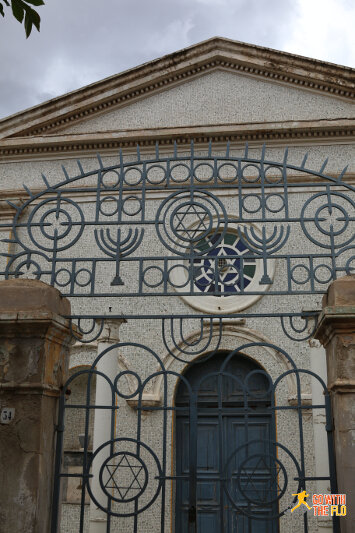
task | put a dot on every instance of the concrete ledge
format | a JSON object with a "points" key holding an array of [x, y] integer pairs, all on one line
{"points": [[341, 293], [19, 295]]}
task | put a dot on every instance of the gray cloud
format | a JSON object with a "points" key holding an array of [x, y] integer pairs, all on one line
{"points": [[83, 41]]}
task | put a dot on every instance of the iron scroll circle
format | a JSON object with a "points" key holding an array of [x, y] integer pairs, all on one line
{"points": [[173, 221], [55, 221], [226, 480], [158, 478]]}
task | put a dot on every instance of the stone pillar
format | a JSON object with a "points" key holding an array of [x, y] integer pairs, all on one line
{"points": [[107, 365], [34, 341], [336, 331]]}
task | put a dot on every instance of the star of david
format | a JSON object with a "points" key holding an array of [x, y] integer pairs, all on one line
{"points": [[182, 221], [259, 471], [129, 477]]}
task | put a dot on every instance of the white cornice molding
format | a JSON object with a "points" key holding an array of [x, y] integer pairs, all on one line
{"points": [[334, 130], [157, 75]]}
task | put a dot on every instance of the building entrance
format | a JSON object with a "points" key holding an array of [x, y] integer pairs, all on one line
{"points": [[235, 461]]}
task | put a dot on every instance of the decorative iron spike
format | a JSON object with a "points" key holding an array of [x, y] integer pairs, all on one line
{"points": [[228, 148], [66, 175], [45, 181], [13, 205], [175, 149], [304, 160], [100, 161], [157, 150], [263, 150], [324, 165], [210, 148], [138, 153], [27, 190], [285, 156], [246, 150], [340, 177], [80, 167]]}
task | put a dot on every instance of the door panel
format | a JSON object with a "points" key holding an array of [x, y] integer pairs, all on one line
{"points": [[230, 447], [208, 486], [254, 483]]}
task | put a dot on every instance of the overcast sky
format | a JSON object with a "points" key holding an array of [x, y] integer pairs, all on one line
{"points": [[83, 41]]}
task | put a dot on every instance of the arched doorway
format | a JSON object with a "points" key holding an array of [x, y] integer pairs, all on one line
{"points": [[231, 438]]}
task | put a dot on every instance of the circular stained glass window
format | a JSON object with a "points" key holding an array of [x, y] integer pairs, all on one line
{"points": [[232, 262], [227, 278]]}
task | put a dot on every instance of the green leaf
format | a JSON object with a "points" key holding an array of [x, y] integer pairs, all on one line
{"points": [[28, 24], [18, 9], [35, 18], [35, 2], [22, 10]]}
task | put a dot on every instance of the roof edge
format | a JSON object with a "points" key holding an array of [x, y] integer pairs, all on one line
{"points": [[157, 74]]}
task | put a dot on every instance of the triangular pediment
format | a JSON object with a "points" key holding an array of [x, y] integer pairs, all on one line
{"points": [[215, 98], [214, 82]]}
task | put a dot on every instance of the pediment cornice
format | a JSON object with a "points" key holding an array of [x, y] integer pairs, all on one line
{"points": [[155, 76], [72, 145]]}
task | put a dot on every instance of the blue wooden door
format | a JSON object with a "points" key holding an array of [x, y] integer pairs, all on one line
{"points": [[224, 430]]}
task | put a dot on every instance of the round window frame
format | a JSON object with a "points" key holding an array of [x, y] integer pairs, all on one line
{"points": [[224, 304]]}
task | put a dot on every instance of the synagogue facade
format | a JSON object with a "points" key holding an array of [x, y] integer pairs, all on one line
{"points": [[194, 210]]}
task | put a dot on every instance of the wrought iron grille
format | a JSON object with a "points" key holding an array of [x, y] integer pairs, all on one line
{"points": [[193, 224], [140, 481], [117, 243]]}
